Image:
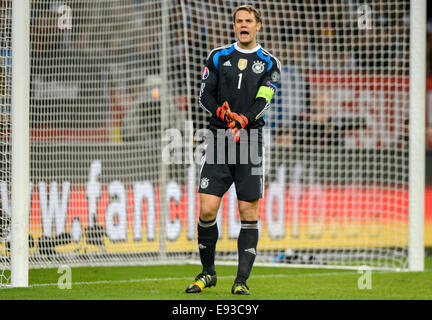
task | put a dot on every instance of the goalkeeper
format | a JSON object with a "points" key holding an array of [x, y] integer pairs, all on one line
{"points": [[238, 83]]}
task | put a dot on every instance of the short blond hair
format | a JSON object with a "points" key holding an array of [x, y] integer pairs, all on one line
{"points": [[250, 9]]}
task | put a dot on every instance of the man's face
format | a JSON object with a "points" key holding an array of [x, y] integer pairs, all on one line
{"points": [[246, 28]]}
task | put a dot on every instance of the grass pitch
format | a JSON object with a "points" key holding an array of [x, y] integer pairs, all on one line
{"points": [[266, 283]]}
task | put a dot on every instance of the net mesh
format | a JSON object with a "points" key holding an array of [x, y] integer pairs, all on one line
{"points": [[5, 96], [114, 81]]}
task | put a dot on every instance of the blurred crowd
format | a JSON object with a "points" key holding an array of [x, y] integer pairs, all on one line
{"points": [[429, 73], [121, 58], [429, 42]]}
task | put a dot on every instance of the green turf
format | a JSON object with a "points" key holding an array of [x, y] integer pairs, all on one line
{"points": [[169, 283]]}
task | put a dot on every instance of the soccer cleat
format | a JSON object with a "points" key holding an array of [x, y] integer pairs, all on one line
{"points": [[240, 288], [203, 280]]}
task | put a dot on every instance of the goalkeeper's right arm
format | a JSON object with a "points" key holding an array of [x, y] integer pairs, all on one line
{"points": [[208, 90]]}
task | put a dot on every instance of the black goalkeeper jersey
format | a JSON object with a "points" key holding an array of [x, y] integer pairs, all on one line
{"points": [[247, 79]]}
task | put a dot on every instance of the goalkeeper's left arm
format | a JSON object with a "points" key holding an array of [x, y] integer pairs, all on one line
{"points": [[265, 93], [263, 98]]}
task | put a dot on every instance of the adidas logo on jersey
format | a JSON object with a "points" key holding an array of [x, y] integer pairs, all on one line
{"points": [[251, 250], [227, 64], [201, 246]]}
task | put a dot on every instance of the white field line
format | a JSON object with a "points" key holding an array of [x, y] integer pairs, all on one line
{"points": [[317, 274]]}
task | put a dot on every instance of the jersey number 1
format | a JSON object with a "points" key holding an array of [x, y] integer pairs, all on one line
{"points": [[240, 79]]}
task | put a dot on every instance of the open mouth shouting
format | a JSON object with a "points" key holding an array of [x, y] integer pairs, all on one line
{"points": [[244, 35]]}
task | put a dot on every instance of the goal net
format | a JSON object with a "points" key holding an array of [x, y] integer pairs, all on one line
{"points": [[5, 104], [116, 132]]}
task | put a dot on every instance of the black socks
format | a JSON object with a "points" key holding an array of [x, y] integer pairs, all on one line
{"points": [[246, 244], [208, 235], [247, 241]]}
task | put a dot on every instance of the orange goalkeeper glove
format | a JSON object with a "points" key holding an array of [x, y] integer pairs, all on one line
{"points": [[224, 113], [239, 122]]}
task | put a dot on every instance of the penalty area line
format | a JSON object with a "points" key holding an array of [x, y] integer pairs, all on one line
{"points": [[259, 276], [262, 276]]}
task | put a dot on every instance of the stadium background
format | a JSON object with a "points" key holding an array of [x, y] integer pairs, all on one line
{"points": [[108, 127]]}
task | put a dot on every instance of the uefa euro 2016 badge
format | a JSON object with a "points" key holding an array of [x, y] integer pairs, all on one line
{"points": [[205, 73], [258, 66], [242, 64], [204, 183]]}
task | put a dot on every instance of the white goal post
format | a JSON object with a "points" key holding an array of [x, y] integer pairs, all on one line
{"points": [[101, 133], [20, 147], [417, 135]]}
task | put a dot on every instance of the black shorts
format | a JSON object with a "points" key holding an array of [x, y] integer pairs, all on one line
{"points": [[225, 162]]}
